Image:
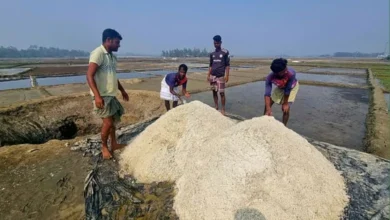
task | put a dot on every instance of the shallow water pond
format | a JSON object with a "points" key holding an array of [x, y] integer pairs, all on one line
{"points": [[333, 115], [339, 70], [342, 79]]}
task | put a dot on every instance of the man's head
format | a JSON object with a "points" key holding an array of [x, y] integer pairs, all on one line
{"points": [[217, 41], [279, 66], [182, 71], [111, 39]]}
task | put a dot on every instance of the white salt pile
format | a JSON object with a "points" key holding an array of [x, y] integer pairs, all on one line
{"points": [[225, 170]]}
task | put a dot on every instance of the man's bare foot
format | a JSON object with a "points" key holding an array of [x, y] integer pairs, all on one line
{"points": [[223, 112], [106, 153], [115, 147]]}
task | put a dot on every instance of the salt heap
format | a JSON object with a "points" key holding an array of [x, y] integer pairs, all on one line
{"points": [[225, 170], [155, 154]]}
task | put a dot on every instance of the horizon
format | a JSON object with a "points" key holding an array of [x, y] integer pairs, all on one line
{"points": [[130, 54], [248, 28]]}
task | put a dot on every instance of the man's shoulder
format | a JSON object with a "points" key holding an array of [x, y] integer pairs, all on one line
{"points": [[270, 76], [97, 50], [224, 50], [170, 75], [291, 70]]}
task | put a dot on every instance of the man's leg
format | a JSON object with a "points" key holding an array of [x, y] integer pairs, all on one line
{"points": [[106, 130], [167, 105], [114, 143], [221, 90], [215, 96], [174, 104], [223, 101]]}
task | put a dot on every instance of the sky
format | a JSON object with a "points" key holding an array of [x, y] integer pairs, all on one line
{"points": [[247, 27]]}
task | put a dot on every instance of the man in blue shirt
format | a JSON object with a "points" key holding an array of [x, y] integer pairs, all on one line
{"points": [[170, 86]]}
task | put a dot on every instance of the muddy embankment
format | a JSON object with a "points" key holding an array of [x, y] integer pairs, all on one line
{"points": [[378, 121], [67, 117]]}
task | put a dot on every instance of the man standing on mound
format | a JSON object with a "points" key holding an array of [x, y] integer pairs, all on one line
{"points": [[286, 90], [218, 73], [103, 83]]}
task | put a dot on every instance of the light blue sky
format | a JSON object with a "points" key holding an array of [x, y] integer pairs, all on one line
{"points": [[247, 27]]}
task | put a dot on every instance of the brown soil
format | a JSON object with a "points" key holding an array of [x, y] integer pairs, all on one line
{"points": [[45, 181], [42, 182], [67, 117]]}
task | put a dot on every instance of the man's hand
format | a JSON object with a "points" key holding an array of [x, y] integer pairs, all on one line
{"points": [[226, 79], [125, 96], [285, 107], [208, 78], [187, 95], [99, 102], [268, 112]]}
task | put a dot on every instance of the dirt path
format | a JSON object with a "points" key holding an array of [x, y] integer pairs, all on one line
{"points": [[378, 122], [42, 181]]}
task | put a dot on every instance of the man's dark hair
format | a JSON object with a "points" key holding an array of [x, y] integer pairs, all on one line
{"points": [[278, 65], [184, 67], [110, 33], [217, 38]]}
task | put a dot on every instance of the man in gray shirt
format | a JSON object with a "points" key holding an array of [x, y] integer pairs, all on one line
{"points": [[218, 73]]}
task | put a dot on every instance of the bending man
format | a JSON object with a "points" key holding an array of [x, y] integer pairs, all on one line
{"points": [[286, 90], [170, 86]]}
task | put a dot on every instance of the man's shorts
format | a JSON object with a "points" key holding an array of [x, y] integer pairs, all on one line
{"points": [[278, 95], [112, 108], [217, 84]]}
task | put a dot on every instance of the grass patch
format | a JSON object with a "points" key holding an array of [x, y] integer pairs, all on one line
{"points": [[384, 76]]}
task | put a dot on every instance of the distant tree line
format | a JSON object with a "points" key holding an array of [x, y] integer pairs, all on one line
{"points": [[35, 51], [352, 54], [186, 52]]}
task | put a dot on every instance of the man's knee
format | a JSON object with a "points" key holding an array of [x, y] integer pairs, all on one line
{"points": [[222, 94], [108, 122]]}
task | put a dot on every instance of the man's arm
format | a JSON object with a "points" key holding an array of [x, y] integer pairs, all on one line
{"points": [[92, 68], [125, 96], [267, 94], [227, 63], [173, 91], [120, 87], [95, 60], [184, 88], [210, 65]]}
